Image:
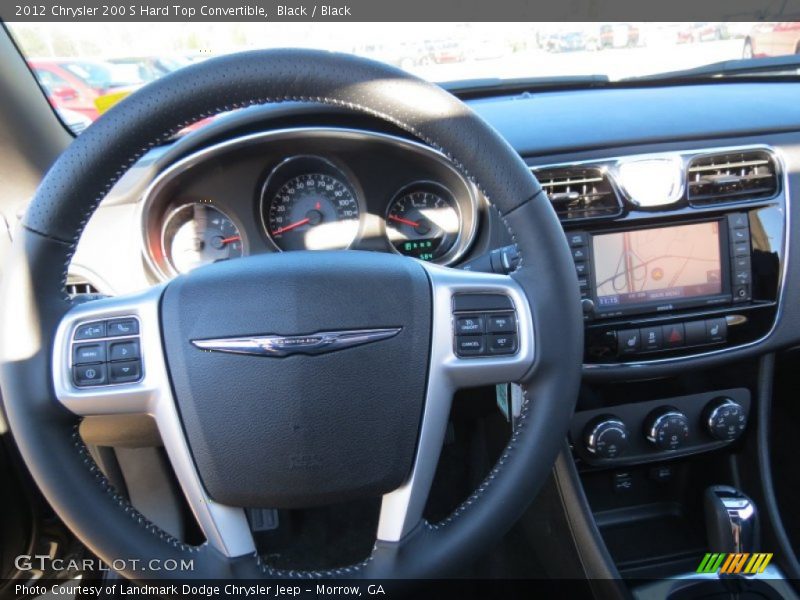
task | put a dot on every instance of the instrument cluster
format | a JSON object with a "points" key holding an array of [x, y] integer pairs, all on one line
{"points": [[339, 189]]}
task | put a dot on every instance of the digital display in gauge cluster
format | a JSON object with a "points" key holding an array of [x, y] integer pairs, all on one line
{"points": [[423, 221]]}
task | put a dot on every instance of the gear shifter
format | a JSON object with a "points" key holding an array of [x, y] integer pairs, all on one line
{"points": [[731, 520]]}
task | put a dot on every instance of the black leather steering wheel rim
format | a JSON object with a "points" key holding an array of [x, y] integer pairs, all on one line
{"points": [[34, 300]]}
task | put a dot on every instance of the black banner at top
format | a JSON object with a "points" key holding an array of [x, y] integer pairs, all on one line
{"points": [[396, 10]]}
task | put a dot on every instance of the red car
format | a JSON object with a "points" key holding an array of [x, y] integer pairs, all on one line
{"points": [[75, 84], [773, 39]]}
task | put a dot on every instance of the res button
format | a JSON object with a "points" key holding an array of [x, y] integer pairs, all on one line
{"points": [[501, 324]]}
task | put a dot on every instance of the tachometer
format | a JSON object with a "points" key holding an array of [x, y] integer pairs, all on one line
{"points": [[315, 209], [423, 221], [196, 234]]}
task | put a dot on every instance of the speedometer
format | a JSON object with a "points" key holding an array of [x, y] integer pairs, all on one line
{"points": [[315, 209]]}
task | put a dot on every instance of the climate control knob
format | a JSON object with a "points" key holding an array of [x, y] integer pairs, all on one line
{"points": [[606, 437], [667, 428], [724, 419]]}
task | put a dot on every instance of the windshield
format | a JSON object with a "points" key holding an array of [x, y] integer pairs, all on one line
{"points": [[79, 65]]}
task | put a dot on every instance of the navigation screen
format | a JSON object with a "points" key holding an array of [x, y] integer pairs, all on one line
{"points": [[653, 265]]}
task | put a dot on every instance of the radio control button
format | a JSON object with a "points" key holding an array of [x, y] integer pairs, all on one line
{"points": [[582, 269], [695, 333], [89, 331], [628, 341], [84, 375], [577, 238], [123, 372], [674, 335], [716, 330], [89, 353], [579, 254], [738, 221], [741, 249], [123, 351], [740, 235], [651, 338], [741, 263], [120, 327]]}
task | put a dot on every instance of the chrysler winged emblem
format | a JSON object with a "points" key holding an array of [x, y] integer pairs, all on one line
{"points": [[284, 345]]}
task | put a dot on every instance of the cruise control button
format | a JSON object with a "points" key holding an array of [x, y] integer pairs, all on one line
{"points": [[123, 351], [120, 327], [469, 345], [121, 372], [85, 375], [89, 331], [503, 343], [674, 335], [469, 325], [89, 353], [628, 341], [651, 338], [716, 330], [501, 324]]}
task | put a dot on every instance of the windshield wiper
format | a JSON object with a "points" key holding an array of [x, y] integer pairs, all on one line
{"points": [[772, 65], [492, 85]]}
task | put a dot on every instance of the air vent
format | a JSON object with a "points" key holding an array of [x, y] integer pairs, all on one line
{"points": [[78, 287], [731, 177], [579, 193]]}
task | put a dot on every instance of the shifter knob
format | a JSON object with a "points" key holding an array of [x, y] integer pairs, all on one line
{"points": [[731, 520]]}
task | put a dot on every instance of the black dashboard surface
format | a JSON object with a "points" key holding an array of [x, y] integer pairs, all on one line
{"points": [[563, 121]]}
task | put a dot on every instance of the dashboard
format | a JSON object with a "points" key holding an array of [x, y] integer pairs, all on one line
{"points": [[307, 189], [679, 223]]}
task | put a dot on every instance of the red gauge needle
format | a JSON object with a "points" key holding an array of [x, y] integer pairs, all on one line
{"points": [[404, 221], [228, 240], [291, 226]]}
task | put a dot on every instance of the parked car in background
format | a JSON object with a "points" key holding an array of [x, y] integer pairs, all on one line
{"points": [[567, 41], [150, 68], [618, 35], [75, 84], [772, 39], [75, 121], [701, 32]]}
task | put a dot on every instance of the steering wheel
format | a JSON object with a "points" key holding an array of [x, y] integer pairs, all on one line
{"points": [[289, 380]]}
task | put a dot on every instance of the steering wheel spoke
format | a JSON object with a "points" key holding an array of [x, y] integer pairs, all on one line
{"points": [[473, 308], [108, 361]]}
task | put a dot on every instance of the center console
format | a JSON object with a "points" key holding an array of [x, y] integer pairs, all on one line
{"points": [[677, 255], [678, 287]]}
